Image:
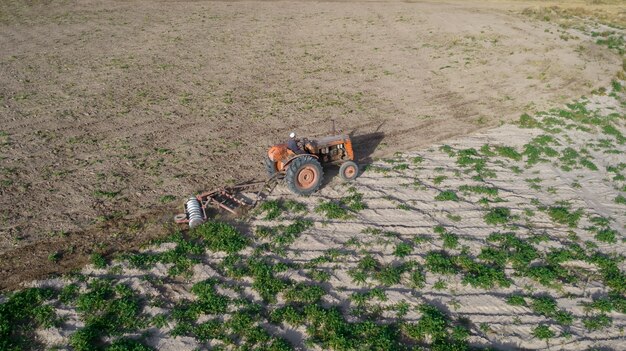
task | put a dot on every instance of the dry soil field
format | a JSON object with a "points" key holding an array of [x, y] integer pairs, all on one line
{"points": [[113, 112], [112, 109]]}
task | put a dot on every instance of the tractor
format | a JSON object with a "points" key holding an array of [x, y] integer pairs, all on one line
{"points": [[303, 171]]}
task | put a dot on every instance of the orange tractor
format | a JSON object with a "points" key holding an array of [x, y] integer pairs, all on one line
{"points": [[303, 171]]}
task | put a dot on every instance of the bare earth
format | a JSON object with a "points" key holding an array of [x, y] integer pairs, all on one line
{"points": [[108, 107]]}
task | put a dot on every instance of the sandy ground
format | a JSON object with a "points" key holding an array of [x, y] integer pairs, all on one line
{"points": [[401, 207], [109, 110]]}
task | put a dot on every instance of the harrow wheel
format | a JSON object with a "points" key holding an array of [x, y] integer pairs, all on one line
{"points": [[304, 175]]}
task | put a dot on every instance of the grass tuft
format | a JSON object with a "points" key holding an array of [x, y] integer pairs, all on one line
{"points": [[498, 216], [447, 195], [220, 236]]}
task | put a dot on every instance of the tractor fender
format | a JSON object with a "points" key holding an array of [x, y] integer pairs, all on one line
{"points": [[278, 152], [298, 156]]}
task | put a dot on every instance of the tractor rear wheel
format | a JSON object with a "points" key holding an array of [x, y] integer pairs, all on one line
{"points": [[348, 170], [304, 175], [270, 166]]}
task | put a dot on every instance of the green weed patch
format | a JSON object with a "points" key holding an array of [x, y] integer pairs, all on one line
{"points": [[220, 236], [479, 189], [546, 306], [564, 215], [498, 216], [21, 313], [107, 310], [447, 195]]}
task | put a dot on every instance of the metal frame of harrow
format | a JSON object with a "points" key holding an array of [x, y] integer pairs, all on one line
{"points": [[210, 198]]}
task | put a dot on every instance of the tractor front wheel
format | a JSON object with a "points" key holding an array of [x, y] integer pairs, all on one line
{"points": [[348, 171], [304, 175]]}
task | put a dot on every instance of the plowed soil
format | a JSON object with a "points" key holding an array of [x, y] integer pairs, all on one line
{"points": [[113, 112]]}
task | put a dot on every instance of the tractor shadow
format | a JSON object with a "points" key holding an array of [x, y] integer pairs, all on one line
{"points": [[364, 146]]}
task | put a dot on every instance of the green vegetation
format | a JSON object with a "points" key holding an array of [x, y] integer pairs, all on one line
{"points": [[473, 161], [450, 240], [508, 152], [282, 235], [265, 282], [417, 278], [389, 274], [440, 263], [301, 293], [607, 235], [21, 313], [479, 189], [546, 306], [447, 195], [182, 256], [328, 328], [54, 257], [611, 274], [369, 267], [107, 309], [220, 236], [597, 322], [167, 199], [344, 208], [215, 236], [402, 250], [333, 210], [417, 160], [613, 41], [453, 217], [448, 150], [475, 273], [436, 326], [404, 207], [539, 148], [294, 206], [274, 208], [498, 216], [603, 231], [439, 179], [98, 261], [526, 121], [481, 275], [354, 201], [240, 329], [564, 215], [613, 302], [516, 300], [509, 249], [543, 332], [400, 167]]}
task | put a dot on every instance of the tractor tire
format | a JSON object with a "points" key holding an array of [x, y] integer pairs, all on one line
{"points": [[304, 175], [348, 171], [270, 166]]}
